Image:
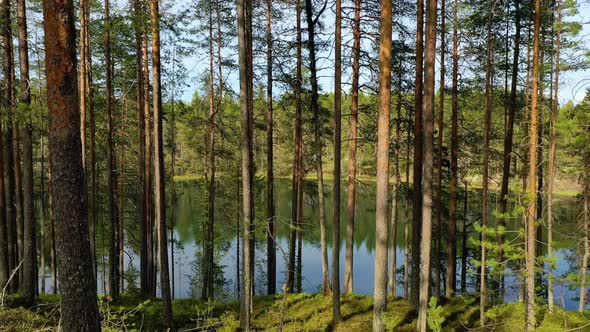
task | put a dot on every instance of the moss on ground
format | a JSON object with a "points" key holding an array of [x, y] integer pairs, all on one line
{"points": [[303, 312]]}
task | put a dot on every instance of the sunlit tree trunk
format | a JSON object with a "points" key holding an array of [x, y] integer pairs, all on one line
{"points": [[428, 113], [382, 193], [159, 180], [79, 310], [418, 158], [532, 192]]}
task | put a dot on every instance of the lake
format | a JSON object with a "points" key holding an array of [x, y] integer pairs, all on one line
{"points": [[190, 215]]}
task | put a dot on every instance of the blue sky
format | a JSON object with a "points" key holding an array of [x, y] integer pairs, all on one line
{"points": [[573, 85]]}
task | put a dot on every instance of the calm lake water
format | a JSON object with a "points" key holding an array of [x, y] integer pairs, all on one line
{"points": [[190, 215]]}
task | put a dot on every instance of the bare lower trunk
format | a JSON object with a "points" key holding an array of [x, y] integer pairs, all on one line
{"points": [[79, 310], [551, 170], [440, 129], [244, 13], [352, 147], [584, 265], [297, 157], [380, 289], [418, 159], [532, 192], [428, 113], [29, 282], [451, 277], [486, 159], [393, 218], [271, 250]]}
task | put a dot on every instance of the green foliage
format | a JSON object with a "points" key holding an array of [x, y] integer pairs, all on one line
{"points": [[434, 315]]}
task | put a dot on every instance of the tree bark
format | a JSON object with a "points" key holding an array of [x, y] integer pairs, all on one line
{"points": [[29, 282], [532, 192], [393, 218], [508, 139], [486, 168], [159, 179], [141, 201], [438, 201], [337, 159], [451, 277], [352, 147], [79, 310], [270, 196], [552, 150], [428, 113], [209, 237], [244, 15], [418, 159], [584, 265], [111, 163], [9, 167], [318, 153], [297, 154], [382, 193]]}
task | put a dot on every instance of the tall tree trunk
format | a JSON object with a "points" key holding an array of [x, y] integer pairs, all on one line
{"points": [[532, 192], [318, 154], [418, 159], [382, 193], [352, 147], [584, 265], [464, 250], [209, 237], [121, 231], [451, 277], [486, 160], [408, 199], [508, 139], [438, 201], [79, 309], [428, 113], [9, 167], [297, 154], [111, 163], [552, 149], [148, 241], [159, 179], [244, 13], [29, 282], [4, 228], [337, 158], [393, 218], [41, 211], [271, 249], [141, 202]]}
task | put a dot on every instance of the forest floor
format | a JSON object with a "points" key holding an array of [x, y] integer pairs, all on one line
{"points": [[303, 312]]}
